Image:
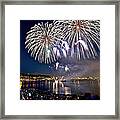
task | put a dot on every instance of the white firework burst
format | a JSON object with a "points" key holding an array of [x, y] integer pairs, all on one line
{"points": [[44, 42], [83, 37]]}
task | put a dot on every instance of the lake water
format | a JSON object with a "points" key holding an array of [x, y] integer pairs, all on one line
{"points": [[57, 87]]}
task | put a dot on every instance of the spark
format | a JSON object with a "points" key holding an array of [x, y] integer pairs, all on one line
{"points": [[83, 43], [66, 68], [57, 65]]}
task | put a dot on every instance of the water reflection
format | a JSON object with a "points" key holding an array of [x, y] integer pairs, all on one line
{"points": [[59, 89]]}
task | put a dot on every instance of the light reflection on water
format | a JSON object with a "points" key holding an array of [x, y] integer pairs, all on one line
{"points": [[66, 87]]}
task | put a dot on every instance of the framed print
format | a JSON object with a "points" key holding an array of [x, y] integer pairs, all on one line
{"points": [[59, 59]]}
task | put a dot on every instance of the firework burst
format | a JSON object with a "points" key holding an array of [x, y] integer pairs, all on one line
{"points": [[45, 42], [83, 37]]}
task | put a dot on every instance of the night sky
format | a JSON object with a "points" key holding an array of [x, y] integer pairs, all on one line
{"points": [[29, 65]]}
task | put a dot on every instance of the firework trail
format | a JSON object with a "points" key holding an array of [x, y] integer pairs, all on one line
{"points": [[83, 37], [45, 42]]}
